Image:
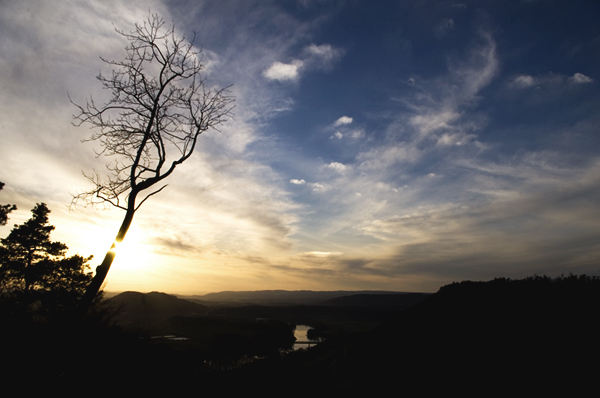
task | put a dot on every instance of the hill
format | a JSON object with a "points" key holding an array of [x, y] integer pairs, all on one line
{"points": [[277, 297], [399, 300], [136, 307], [346, 312], [533, 335]]}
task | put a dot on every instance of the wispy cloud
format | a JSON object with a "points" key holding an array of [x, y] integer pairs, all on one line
{"points": [[342, 121], [578, 78], [444, 28], [464, 210], [549, 79], [415, 184], [316, 57], [283, 72], [523, 81], [220, 202], [323, 56]]}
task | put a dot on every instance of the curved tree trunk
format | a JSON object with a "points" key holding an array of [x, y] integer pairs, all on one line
{"points": [[160, 105], [102, 270]]}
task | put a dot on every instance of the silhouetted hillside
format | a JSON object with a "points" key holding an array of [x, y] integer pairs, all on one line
{"points": [[534, 335], [190, 328], [151, 307], [278, 297], [347, 314], [400, 300], [504, 337]]}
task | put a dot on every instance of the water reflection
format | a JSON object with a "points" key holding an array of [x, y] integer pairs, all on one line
{"points": [[302, 340]]}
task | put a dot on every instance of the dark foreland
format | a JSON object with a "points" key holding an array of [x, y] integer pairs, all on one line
{"points": [[530, 336]]}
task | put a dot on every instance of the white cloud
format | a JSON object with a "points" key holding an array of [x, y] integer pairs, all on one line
{"points": [[319, 57], [428, 123], [342, 121], [323, 56], [297, 182], [356, 134], [339, 167], [317, 187], [580, 78], [324, 50], [548, 79], [283, 72], [523, 81], [337, 135]]}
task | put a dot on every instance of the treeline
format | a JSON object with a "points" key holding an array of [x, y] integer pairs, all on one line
{"points": [[532, 282], [535, 335], [37, 278]]}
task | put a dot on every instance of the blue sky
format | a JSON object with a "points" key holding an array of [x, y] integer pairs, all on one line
{"points": [[397, 145]]}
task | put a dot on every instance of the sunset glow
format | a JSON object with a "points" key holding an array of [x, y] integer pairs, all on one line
{"points": [[394, 145]]}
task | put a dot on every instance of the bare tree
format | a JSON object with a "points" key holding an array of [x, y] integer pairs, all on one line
{"points": [[160, 105]]}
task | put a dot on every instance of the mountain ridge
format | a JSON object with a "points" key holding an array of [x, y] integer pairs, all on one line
{"points": [[282, 296]]}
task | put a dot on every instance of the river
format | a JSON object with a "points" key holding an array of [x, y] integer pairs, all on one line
{"points": [[301, 340]]}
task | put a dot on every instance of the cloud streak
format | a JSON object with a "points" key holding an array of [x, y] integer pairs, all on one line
{"points": [[317, 57], [389, 158]]}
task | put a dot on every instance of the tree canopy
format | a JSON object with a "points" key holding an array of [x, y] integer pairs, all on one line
{"points": [[36, 270]]}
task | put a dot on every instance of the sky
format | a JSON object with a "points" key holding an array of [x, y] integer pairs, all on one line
{"points": [[375, 145]]}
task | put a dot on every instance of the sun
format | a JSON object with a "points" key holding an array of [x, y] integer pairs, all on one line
{"points": [[135, 257], [134, 253]]}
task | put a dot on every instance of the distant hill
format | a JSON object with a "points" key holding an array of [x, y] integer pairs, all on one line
{"points": [[154, 306], [278, 297], [331, 312], [378, 300]]}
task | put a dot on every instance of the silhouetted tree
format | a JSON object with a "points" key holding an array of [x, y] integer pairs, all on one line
{"points": [[5, 209], [35, 270], [159, 107]]}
